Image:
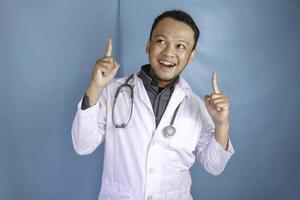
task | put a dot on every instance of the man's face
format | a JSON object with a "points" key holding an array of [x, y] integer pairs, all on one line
{"points": [[170, 49]]}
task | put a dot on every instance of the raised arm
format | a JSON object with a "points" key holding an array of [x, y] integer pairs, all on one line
{"points": [[88, 128]]}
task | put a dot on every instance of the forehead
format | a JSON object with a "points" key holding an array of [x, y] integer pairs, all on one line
{"points": [[174, 29]]}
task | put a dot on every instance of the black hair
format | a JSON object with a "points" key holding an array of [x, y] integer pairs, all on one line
{"points": [[181, 16]]}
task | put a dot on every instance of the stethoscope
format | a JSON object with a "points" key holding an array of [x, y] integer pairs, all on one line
{"points": [[167, 131]]}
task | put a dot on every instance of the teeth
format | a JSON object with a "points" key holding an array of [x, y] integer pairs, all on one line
{"points": [[166, 63]]}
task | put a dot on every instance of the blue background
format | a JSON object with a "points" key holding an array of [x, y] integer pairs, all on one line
{"points": [[47, 52]]}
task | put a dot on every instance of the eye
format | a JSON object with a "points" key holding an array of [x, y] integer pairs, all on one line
{"points": [[181, 46], [160, 41]]}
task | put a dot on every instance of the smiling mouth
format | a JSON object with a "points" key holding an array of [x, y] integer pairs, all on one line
{"points": [[167, 63]]}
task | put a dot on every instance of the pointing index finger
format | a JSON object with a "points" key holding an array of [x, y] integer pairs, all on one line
{"points": [[108, 51], [215, 84]]}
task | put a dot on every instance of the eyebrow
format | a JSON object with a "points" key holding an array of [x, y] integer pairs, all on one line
{"points": [[180, 39], [184, 41]]}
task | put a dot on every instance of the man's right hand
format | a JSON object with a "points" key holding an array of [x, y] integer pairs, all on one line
{"points": [[104, 71]]}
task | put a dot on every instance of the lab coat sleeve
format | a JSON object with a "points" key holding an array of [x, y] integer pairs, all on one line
{"points": [[212, 156], [88, 128]]}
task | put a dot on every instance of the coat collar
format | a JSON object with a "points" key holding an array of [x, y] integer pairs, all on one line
{"points": [[182, 89], [182, 84]]}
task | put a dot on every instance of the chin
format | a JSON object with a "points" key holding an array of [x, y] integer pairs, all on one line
{"points": [[162, 77]]}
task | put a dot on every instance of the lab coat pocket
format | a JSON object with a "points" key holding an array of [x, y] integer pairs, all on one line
{"points": [[187, 130], [182, 194]]}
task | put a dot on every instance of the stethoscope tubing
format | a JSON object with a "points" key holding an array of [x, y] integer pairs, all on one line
{"points": [[167, 131], [123, 125]]}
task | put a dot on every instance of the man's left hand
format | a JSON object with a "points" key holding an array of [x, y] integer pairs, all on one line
{"points": [[217, 104]]}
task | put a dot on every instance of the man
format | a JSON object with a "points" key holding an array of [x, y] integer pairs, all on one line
{"points": [[156, 127]]}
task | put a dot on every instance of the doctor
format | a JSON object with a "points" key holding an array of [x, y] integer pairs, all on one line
{"points": [[155, 127]]}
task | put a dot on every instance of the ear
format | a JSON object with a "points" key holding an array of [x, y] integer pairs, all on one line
{"points": [[147, 49], [192, 56]]}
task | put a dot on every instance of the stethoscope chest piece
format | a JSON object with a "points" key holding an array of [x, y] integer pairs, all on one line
{"points": [[169, 131]]}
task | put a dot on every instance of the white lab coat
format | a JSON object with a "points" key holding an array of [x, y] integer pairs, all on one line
{"points": [[139, 162]]}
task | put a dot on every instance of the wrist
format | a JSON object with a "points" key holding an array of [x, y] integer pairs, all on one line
{"points": [[222, 134], [93, 92], [222, 126], [95, 86]]}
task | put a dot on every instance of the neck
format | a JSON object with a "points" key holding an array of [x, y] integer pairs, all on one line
{"points": [[163, 84]]}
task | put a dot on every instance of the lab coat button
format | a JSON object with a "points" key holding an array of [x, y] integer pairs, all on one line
{"points": [[151, 170], [149, 197]]}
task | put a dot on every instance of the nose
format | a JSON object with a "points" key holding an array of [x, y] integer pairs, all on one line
{"points": [[168, 51]]}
